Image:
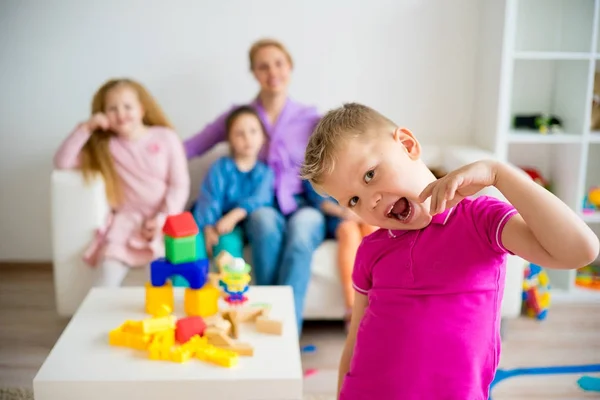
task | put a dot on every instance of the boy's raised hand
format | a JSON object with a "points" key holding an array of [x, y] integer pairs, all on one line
{"points": [[451, 189]]}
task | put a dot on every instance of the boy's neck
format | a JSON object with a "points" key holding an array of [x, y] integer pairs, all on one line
{"points": [[245, 164]]}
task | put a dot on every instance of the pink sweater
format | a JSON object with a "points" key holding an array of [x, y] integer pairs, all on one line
{"points": [[155, 182]]}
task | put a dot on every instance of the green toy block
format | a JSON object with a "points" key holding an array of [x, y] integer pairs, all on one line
{"points": [[181, 250]]}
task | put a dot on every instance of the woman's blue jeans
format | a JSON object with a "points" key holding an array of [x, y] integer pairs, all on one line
{"points": [[283, 247]]}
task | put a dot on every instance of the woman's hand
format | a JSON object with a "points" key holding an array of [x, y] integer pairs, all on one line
{"points": [[211, 239]]}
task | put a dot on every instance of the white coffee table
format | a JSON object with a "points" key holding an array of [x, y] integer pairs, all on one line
{"points": [[82, 365]]}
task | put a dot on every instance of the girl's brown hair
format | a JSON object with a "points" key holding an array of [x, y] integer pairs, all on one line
{"points": [[95, 155], [267, 43]]}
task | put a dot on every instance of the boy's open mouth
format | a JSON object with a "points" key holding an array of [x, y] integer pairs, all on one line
{"points": [[400, 210]]}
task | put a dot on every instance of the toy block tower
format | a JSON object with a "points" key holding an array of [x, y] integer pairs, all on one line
{"points": [[185, 264]]}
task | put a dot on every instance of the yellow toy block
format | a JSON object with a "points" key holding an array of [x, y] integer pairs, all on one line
{"points": [[186, 351], [161, 345], [155, 325], [159, 300], [209, 353], [203, 302], [122, 336]]}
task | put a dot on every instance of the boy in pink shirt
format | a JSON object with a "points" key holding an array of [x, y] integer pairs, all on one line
{"points": [[429, 285]]}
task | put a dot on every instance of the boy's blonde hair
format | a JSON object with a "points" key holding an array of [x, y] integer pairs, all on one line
{"points": [[95, 155], [349, 121], [267, 42]]}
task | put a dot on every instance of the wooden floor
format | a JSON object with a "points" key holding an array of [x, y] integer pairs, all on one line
{"points": [[29, 328]]}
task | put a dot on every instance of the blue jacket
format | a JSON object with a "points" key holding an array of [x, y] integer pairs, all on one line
{"points": [[225, 187]]}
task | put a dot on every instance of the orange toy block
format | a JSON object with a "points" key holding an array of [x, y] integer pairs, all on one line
{"points": [[270, 326], [159, 299], [202, 302]]}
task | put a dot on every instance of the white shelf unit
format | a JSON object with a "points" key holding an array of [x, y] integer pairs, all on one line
{"points": [[540, 56]]}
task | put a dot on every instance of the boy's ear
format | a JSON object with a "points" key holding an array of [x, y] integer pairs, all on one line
{"points": [[408, 140]]}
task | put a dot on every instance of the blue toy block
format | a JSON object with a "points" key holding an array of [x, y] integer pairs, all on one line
{"points": [[195, 272]]}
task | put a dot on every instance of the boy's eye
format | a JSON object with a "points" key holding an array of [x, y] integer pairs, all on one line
{"points": [[352, 202], [369, 175]]}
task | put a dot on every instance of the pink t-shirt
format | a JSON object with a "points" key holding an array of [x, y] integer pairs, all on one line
{"points": [[431, 330]]}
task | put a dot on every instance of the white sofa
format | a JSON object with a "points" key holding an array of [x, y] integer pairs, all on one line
{"points": [[78, 209]]}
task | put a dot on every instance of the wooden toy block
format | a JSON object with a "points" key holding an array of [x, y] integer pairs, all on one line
{"points": [[242, 349], [202, 302], [159, 300], [181, 250], [180, 225], [270, 326], [187, 327], [231, 316], [194, 272], [250, 314], [218, 322], [217, 337]]}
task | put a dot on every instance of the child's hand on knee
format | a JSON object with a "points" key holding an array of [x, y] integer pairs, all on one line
{"points": [[211, 239]]}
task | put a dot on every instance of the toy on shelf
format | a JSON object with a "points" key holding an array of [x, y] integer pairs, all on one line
{"points": [[537, 177], [234, 277], [591, 202], [185, 258], [588, 277], [536, 292], [543, 123]]}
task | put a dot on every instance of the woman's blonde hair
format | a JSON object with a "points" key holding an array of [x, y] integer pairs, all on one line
{"points": [[266, 43], [95, 155]]}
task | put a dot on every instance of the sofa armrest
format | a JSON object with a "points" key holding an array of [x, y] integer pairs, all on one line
{"points": [[77, 210]]}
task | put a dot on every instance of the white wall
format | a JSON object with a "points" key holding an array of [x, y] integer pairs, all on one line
{"points": [[413, 60]]}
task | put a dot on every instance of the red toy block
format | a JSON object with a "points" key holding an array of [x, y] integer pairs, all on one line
{"points": [[187, 327], [180, 225]]}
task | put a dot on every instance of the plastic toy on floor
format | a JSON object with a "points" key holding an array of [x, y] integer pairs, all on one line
{"points": [[185, 258], [591, 202], [588, 277], [234, 277], [536, 292]]}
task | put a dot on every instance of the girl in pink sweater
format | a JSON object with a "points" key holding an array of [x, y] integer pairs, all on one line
{"points": [[131, 144]]}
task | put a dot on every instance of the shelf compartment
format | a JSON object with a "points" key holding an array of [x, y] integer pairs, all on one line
{"points": [[556, 162], [551, 87], [592, 179], [531, 136], [554, 25]]}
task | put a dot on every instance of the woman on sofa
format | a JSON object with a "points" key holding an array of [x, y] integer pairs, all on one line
{"points": [[283, 238]]}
